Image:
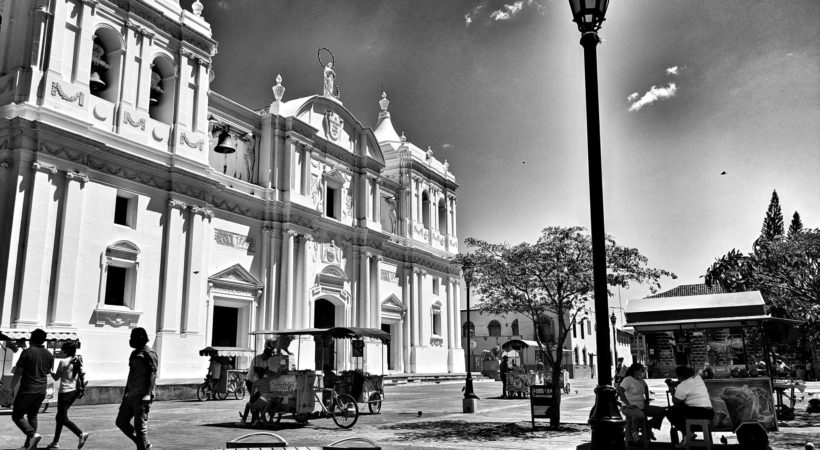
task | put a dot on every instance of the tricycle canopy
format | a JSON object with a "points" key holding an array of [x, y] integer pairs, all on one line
{"points": [[16, 334], [336, 332], [224, 351], [518, 344]]}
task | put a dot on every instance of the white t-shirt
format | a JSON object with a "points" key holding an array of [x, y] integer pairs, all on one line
{"points": [[68, 374], [635, 391], [693, 392]]}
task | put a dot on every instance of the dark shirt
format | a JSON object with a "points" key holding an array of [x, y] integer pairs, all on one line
{"points": [[142, 365], [503, 368], [36, 363]]}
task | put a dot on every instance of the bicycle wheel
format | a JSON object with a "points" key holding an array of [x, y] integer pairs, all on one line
{"points": [[239, 392], [203, 392], [345, 411], [374, 404]]}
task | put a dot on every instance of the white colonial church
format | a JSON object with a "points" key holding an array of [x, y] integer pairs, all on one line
{"points": [[131, 195]]}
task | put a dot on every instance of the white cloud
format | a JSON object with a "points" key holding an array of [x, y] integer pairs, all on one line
{"points": [[632, 97], [672, 70], [488, 11], [653, 95]]}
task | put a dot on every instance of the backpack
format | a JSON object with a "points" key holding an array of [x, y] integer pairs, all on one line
{"points": [[81, 381]]}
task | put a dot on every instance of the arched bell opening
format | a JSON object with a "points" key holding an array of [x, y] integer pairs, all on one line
{"points": [[106, 64], [442, 217], [162, 91], [425, 209]]}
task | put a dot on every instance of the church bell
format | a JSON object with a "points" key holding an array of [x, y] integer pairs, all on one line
{"points": [[95, 82], [226, 143]]}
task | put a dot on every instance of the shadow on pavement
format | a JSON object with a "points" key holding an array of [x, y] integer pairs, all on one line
{"points": [[801, 419], [459, 430]]}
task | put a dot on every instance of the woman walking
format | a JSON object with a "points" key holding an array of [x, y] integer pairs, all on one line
{"points": [[68, 371]]}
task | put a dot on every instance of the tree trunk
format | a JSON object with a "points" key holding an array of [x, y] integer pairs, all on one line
{"points": [[555, 418]]}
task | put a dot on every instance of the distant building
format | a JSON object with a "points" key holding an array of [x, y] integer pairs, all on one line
{"points": [[134, 196]]}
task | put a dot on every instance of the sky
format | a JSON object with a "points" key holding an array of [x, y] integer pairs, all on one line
{"points": [[688, 89]]}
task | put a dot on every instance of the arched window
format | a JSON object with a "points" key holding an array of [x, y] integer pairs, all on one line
{"points": [[515, 328], [442, 217], [162, 92], [468, 326], [425, 209], [582, 329], [106, 63], [494, 328]]}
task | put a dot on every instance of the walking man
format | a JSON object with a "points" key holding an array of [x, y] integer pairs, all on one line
{"points": [[32, 371], [503, 369], [139, 390]]}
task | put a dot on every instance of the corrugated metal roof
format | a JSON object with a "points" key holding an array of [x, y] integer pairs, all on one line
{"points": [[693, 308], [689, 289]]}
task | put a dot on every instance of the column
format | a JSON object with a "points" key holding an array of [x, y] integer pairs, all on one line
{"points": [[173, 267], [455, 221], [305, 313], [286, 281], [448, 285], [143, 98], [36, 244], [84, 50], [197, 258], [60, 314], [421, 309], [200, 113], [413, 204], [364, 290], [406, 295], [274, 245], [412, 307], [59, 34], [16, 208], [306, 171], [375, 291], [377, 200]]}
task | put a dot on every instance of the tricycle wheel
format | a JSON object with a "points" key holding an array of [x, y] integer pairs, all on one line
{"points": [[345, 411], [222, 395], [203, 392], [239, 392], [374, 404]]}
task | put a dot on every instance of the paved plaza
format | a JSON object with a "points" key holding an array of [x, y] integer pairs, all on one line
{"points": [[500, 423]]}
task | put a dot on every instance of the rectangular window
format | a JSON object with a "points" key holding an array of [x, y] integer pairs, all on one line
{"points": [[582, 331], [437, 323], [125, 209], [115, 286], [121, 211], [330, 203], [574, 330], [589, 327], [435, 286]]}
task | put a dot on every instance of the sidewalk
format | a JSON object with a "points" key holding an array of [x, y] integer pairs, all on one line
{"points": [[499, 423]]}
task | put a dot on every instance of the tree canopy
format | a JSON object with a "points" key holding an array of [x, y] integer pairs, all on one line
{"points": [[552, 276]]}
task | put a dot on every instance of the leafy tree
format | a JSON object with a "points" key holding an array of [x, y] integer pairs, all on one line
{"points": [[553, 276], [796, 226], [773, 223], [785, 271]]}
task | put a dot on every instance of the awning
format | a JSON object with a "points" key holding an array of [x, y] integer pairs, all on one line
{"points": [[337, 332], [224, 351], [14, 334], [727, 310], [518, 344]]}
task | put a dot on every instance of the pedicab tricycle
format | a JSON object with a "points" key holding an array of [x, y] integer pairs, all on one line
{"points": [[14, 339], [310, 394], [519, 379], [231, 380]]}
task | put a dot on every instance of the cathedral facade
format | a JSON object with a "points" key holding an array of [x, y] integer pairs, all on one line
{"points": [[132, 195]]}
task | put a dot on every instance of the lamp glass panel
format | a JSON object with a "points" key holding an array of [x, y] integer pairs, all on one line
{"points": [[575, 5]]}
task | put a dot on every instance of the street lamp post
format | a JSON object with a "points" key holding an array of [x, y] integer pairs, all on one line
{"points": [[470, 401], [612, 319], [606, 423]]}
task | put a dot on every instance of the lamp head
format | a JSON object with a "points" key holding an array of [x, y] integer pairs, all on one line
{"points": [[612, 318], [588, 14]]}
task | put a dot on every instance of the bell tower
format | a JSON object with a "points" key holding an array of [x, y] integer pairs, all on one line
{"points": [[138, 69]]}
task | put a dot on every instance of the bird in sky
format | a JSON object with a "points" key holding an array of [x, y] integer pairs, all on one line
{"points": [[723, 173]]}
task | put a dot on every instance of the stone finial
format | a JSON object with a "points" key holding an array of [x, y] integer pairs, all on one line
{"points": [[384, 102], [429, 152], [197, 8], [403, 137], [278, 90]]}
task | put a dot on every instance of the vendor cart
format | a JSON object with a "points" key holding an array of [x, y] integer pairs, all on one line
{"points": [[306, 394], [718, 329], [14, 339], [231, 381]]}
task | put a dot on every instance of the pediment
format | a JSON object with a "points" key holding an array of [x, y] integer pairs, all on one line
{"points": [[335, 175], [393, 303], [123, 250], [235, 276]]}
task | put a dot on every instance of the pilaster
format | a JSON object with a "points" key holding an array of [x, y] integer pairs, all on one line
{"points": [[37, 244], [67, 257], [196, 267], [173, 266], [375, 298], [286, 281], [365, 301]]}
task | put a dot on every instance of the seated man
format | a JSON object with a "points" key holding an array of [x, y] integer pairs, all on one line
{"points": [[690, 401]]}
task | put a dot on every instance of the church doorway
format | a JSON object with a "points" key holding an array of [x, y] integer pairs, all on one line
{"points": [[324, 316], [225, 328], [390, 365]]}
